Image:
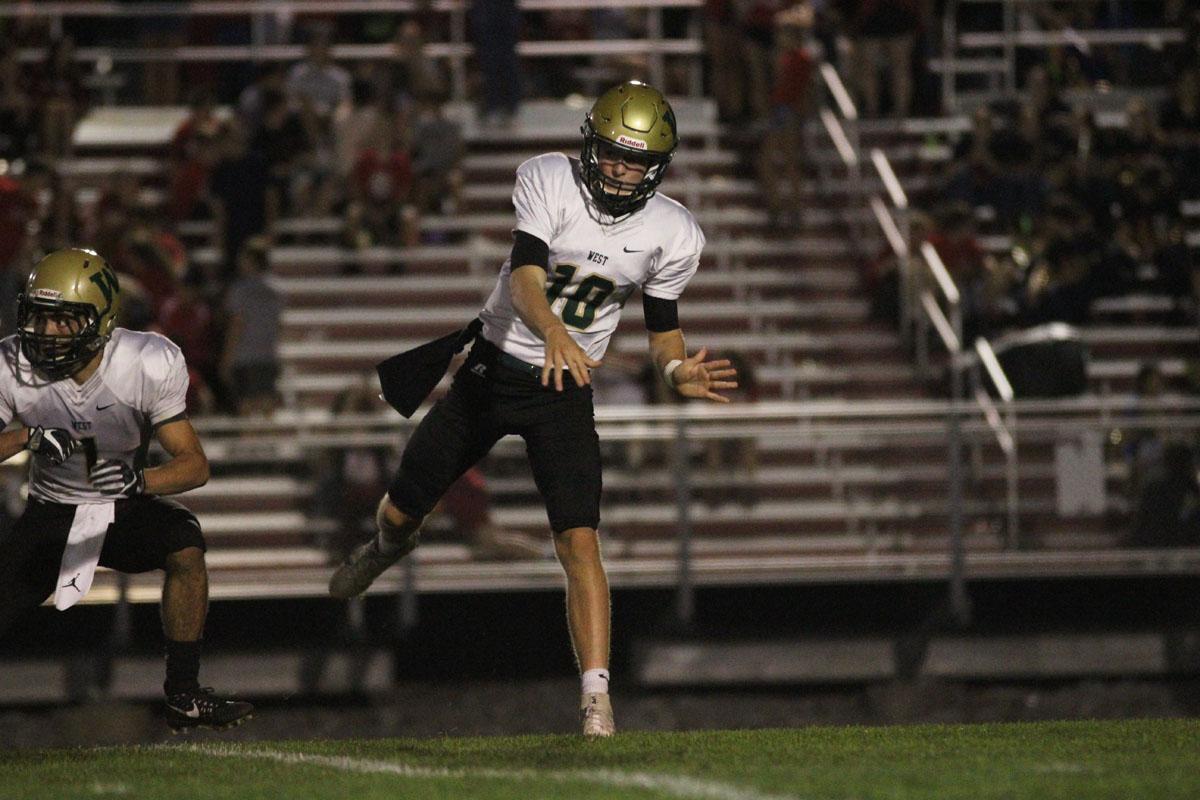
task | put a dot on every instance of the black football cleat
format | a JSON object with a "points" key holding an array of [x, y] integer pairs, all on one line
{"points": [[202, 709]]}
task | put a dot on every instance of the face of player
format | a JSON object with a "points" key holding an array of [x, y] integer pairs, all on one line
{"points": [[56, 323], [56, 331], [622, 170]]}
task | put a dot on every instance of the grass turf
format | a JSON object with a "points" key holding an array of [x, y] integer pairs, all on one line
{"points": [[1102, 759]]}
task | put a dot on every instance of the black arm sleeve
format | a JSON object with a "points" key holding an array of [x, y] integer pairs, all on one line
{"points": [[529, 249], [661, 315]]}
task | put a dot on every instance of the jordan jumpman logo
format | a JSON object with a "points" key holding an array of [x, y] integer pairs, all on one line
{"points": [[72, 583]]}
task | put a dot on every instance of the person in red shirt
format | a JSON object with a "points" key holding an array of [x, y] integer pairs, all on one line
{"points": [[18, 208], [782, 154], [19, 212], [468, 503], [383, 178]]}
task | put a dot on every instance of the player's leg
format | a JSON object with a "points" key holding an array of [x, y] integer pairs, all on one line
{"points": [[397, 535], [588, 605], [185, 595], [153, 533], [589, 623], [452, 437], [564, 453]]}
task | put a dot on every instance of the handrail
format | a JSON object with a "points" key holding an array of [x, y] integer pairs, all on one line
{"points": [[809, 411], [845, 141], [1005, 430], [941, 323], [940, 273], [1151, 37], [948, 326], [232, 8], [840, 141], [364, 52], [890, 181], [890, 230], [838, 90], [987, 357]]}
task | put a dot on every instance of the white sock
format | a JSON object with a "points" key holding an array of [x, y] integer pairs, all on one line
{"points": [[595, 681]]}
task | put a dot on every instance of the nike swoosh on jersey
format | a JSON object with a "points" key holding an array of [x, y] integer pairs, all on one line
{"points": [[101, 408], [627, 250]]}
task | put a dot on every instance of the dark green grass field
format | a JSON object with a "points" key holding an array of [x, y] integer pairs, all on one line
{"points": [[1117, 759]]}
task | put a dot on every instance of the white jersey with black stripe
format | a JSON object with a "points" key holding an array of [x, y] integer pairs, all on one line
{"points": [[141, 382], [595, 262]]}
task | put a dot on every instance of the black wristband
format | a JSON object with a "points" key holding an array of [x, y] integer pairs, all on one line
{"points": [[529, 249], [661, 315]]}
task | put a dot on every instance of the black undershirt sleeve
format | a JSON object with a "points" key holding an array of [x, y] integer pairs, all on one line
{"points": [[661, 315], [529, 249], [169, 420]]}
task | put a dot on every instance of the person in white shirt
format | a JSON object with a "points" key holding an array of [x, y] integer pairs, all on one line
{"points": [[88, 396], [590, 232]]}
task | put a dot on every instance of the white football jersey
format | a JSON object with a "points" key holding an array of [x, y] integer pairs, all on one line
{"points": [[595, 262], [142, 381]]}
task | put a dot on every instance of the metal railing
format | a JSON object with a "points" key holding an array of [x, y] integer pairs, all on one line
{"points": [[827, 429], [457, 51], [974, 53], [920, 308]]}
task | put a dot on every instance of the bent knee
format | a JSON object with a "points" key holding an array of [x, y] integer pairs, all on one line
{"points": [[187, 560], [577, 545]]}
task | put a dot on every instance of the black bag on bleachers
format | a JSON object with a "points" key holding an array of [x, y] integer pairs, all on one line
{"points": [[1045, 361]]}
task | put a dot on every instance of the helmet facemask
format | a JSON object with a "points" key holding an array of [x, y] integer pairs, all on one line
{"points": [[59, 356], [67, 311], [613, 196]]}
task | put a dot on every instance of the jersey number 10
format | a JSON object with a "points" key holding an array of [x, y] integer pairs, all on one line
{"points": [[580, 309]]}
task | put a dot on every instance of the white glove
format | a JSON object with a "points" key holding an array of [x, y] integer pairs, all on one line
{"points": [[114, 477], [55, 444]]}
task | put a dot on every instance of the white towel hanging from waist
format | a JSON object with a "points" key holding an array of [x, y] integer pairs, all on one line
{"points": [[82, 553]]}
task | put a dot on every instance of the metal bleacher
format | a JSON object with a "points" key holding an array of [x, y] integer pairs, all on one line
{"points": [[850, 483]]}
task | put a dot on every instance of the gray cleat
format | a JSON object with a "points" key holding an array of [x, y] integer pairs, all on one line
{"points": [[364, 564]]}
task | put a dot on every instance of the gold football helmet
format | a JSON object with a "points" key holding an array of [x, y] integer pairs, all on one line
{"points": [[79, 291], [634, 122]]}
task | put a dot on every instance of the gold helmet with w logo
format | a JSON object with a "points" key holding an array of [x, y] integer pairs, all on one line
{"points": [[635, 122], [67, 311]]}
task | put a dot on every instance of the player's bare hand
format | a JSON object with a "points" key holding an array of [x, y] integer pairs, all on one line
{"points": [[704, 380], [562, 352]]}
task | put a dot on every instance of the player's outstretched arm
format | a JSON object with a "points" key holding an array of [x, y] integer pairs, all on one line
{"points": [[527, 286], [691, 376], [188, 466]]}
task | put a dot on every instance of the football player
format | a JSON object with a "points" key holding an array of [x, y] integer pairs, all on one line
{"points": [[590, 231], [88, 395]]}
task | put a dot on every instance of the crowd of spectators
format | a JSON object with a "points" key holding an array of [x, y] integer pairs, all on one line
{"points": [[1090, 211], [312, 138], [1088, 207]]}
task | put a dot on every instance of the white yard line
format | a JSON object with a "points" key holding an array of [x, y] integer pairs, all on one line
{"points": [[675, 785]]}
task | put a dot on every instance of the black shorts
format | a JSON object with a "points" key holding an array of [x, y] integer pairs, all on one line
{"points": [[145, 531], [492, 396]]}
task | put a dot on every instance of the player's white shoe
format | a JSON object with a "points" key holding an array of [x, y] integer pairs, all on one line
{"points": [[364, 564], [597, 713]]}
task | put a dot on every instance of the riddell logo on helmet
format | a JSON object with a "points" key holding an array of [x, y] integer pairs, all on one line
{"points": [[637, 144], [47, 294]]}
